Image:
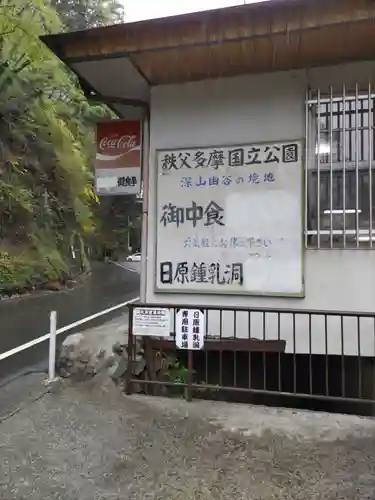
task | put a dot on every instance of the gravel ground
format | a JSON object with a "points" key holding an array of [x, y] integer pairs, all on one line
{"points": [[88, 442]]}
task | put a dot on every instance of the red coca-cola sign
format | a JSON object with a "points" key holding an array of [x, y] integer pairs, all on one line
{"points": [[118, 144]]}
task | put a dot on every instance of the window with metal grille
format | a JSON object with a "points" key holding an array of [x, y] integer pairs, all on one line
{"points": [[339, 175]]}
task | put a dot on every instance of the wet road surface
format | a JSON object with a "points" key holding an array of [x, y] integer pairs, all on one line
{"points": [[26, 318]]}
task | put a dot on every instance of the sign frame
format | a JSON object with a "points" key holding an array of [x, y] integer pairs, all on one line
{"points": [[202, 332], [167, 326], [239, 293], [109, 187]]}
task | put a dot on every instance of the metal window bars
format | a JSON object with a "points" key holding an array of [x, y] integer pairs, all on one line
{"points": [[339, 165]]}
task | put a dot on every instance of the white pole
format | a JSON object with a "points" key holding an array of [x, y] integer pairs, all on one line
{"points": [[52, 346], [128, 235]]}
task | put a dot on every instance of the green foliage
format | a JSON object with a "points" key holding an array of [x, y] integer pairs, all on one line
{"points": [[176, 372], [46, 194], [82, 14], [28, 271], [47, 202], [113, 226], [15, 273]]}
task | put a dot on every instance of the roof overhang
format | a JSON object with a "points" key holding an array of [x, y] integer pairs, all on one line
{"points": [[120, 63]]}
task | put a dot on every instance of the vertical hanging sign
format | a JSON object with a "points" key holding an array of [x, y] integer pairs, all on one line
{"points": [[190, 328], [118, 157]]}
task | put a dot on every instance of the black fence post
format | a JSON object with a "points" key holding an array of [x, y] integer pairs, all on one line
{"points": [[188, 392], [129, 369]]}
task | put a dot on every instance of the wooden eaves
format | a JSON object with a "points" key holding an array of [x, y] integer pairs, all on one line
{"points": [[253, 38]]}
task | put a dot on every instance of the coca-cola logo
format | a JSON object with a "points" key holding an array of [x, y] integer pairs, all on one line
{"points": [[125, 142]]}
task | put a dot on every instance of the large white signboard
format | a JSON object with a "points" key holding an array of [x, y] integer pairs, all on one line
{"points": [[229, 220]]}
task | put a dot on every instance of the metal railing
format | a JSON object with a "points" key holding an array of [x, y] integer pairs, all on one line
{"points": [[51, 336], [256, 352], [306, 354]]}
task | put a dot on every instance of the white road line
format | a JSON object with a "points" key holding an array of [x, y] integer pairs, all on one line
{"points": [[66, 328], [123, 266]]}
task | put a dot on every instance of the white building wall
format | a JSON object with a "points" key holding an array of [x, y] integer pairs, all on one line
{"points": [[250, 109]]}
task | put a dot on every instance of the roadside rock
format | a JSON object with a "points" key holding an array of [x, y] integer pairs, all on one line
{"points": [[120, 365], [118, 369], [118, 348], [83, 355], [105, 349]]}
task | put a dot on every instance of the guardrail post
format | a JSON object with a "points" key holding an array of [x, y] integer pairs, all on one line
{"points": [[129, 370], [188, 395], [52, 346]]}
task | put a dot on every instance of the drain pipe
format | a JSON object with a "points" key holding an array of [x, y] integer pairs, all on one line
{"points": [[145, 177]]}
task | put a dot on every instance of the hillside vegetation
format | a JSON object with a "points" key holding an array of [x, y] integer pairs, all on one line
{"points": [[47, 202]]}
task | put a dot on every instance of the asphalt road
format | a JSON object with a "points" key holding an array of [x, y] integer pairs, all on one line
{"points": [[89, 441], [27, 318]]}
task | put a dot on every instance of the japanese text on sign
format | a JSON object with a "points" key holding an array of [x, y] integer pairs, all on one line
{"points": [[127, 181], [233, 242], [201, 273], [229, 219], [236, 157], [227, 180], [211, 214], [151, 321], [190, 329]]}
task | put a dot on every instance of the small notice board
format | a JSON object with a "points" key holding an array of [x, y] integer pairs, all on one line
{"points": [[190, 328], [151, 321]]}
